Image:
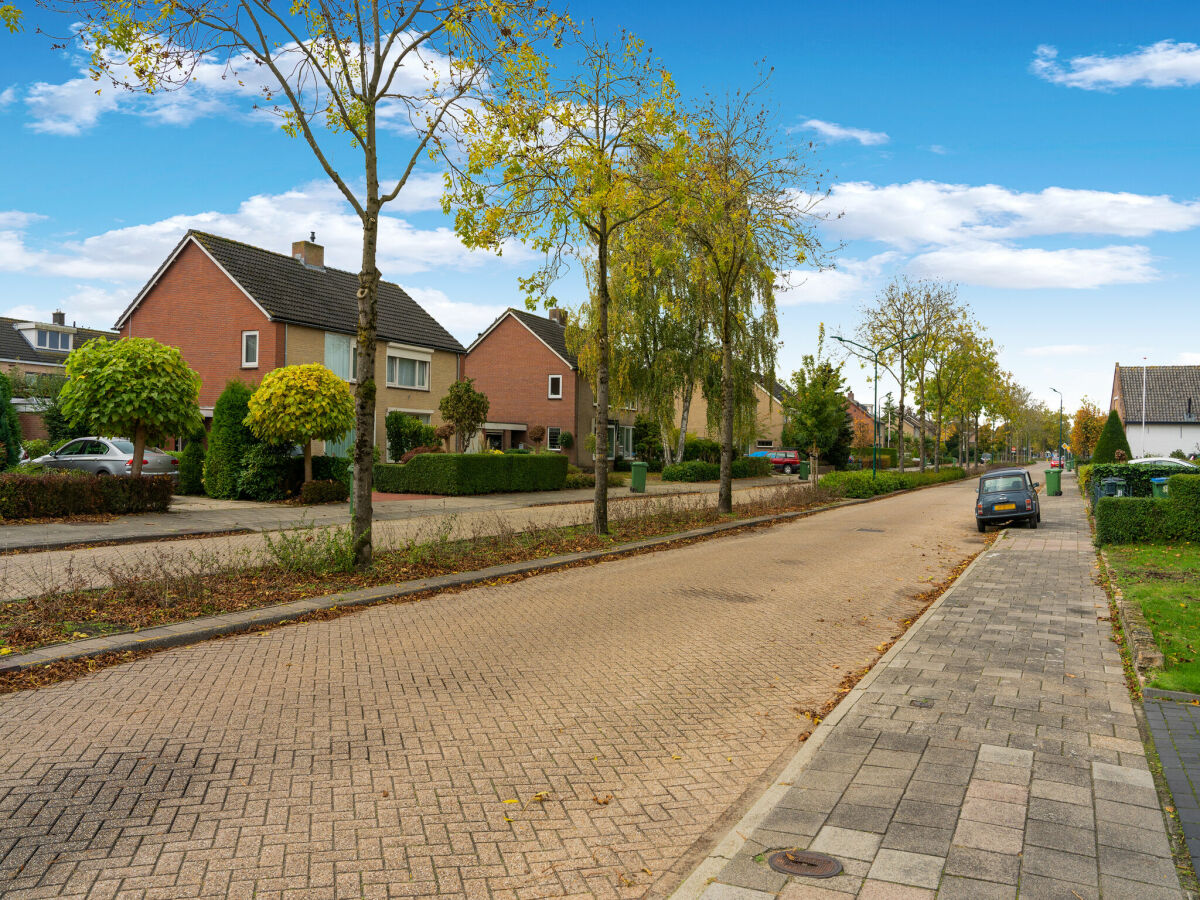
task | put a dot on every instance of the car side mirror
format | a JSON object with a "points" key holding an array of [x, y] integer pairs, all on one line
{"points": [[1037, 484]]}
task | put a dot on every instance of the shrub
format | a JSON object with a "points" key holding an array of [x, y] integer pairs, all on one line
{"points": [[1177, 454], [325, 468], [861, 484], [1129, 520], [36, 447], [752, 467], [1182, 513], [702, 449], [576, 480], [1111, 439], [10, 427], [405, 432], [191, 467], [228, 441], [323, 492], [60, 494], [300, 404], [418, 450], [566, 440], [536, 434], [691, 470], [613, 479], [1085, 479], [472, 473], [267, 472], [444, 432]]}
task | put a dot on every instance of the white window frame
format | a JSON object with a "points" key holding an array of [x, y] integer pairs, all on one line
{"points": [[418, 356], [245, 363], [553, 434], [46, 332], [550, 392]]}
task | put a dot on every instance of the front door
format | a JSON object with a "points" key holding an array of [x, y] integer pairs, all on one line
{"points": [[495, 440]]}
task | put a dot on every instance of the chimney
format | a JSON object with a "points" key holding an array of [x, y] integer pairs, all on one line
{"points": [[559, 316], [309, 252], [58, 317]]}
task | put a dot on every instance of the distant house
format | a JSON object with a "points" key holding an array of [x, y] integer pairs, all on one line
{"points": [[35, 350], [769, 418], [238, 311], [1172, 410], [522, 363]]}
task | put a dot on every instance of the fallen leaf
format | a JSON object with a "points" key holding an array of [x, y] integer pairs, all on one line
{"points": [[602, 802]]}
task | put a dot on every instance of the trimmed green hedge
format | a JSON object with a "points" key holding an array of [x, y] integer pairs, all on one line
{"points": [[698, 470], [59, 495], [1136, 520], [1137, 478], [861, 484], [473, 473]]}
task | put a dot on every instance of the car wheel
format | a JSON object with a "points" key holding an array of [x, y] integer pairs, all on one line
{"points": [[1039, 515], [787, 470], [1032, 521], [980, 525], [102, 472]]}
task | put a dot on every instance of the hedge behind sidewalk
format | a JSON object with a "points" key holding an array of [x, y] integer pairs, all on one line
{"points": [[60, 494], [460, 474]]}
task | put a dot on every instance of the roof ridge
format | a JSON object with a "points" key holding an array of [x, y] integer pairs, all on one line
{"points": [[258, 249]]}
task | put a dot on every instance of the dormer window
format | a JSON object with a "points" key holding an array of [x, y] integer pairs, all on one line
{"points": [[53, 340]]}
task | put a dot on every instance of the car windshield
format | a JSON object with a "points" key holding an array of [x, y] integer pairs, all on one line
{"points": [[1000, 483], [123, 446]]}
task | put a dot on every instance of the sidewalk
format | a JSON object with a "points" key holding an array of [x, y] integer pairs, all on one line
{"points": [[993, 751]]}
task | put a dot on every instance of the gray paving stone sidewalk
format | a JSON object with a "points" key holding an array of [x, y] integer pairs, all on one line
{"points": [[993, 753], [1174, 720]]}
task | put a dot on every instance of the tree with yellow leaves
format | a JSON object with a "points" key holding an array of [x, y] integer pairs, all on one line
{"points": [[297, 404]]}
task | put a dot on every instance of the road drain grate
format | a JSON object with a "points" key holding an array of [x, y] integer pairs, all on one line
{"points": [[805, 863]]}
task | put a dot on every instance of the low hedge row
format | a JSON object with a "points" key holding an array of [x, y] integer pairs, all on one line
{"points": [[61, 494], [698, 470], [323, 491], [1137, 478], [1136, 520], [861, 484], [473, 473]]}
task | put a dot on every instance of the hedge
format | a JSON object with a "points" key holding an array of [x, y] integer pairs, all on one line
{"points": [[460, 474], [861, 484], [60, 494], [323, 491], [1137, 478], [698, 470], [1135, 520]]}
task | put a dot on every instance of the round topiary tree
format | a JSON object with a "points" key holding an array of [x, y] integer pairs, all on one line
{"points": [[228, 440], [444, 432], [10, 427], [536, 434], [135, 388], [298, 404], [1112, 438]]}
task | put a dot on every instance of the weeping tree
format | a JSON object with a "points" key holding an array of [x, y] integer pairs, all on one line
{"points": [[565, 161], [750, 211], [340, 74]]}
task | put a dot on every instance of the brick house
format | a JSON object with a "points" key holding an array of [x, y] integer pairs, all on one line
{"points": [[522, 363], [238, 311], [769, 418], [32, 349]]}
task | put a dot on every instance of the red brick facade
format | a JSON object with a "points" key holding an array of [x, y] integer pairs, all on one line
{"points": [[513, 368], [212, 341]]}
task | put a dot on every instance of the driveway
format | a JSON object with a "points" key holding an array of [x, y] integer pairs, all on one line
{"points": [[581, 733]]}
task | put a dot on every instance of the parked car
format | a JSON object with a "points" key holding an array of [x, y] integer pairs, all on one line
{"points": [[1007, 495], [1163, 461], [108, 456], [1056, 462], [786, 461]]}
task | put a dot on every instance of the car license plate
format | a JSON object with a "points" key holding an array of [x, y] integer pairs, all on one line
{"points": [[1003, 506]]}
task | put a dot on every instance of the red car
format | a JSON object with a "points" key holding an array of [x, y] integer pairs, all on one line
{"points": [[786, 461], [1056, 463]]}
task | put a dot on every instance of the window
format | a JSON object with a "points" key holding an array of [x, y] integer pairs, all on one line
{"points": [[249, 349], [763, 443], [627, 440], [72, 449], [552, 438], [555, 389], [407, 372], [341, 355], [53, 340]]}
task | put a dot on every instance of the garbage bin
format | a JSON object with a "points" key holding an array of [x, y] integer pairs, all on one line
{"points": [[1054, 482], [1071, 464], [1159, 486], [637, 484], [803, 469], [1112, 487]]}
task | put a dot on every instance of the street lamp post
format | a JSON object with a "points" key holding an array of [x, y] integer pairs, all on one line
{"points": [[874, 354], [1058, 450]]}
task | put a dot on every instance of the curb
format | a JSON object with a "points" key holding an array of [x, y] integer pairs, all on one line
{"points": [[126, 539], [707, 871]]}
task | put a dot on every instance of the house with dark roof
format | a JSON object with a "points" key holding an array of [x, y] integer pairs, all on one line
{"points": [[32, 351], [530, 376], [1170, 417], [238, 311]]}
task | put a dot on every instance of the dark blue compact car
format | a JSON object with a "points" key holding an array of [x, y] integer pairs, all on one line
{"points": [[1007, 495]]}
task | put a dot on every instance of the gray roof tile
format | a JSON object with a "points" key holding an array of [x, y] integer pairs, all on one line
{"points": [[1169, 389], [14, 346]]}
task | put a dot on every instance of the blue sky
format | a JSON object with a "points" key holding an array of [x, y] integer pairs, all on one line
{"points": [[1042, 156]]}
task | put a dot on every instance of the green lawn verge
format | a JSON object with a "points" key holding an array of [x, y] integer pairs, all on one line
{"points": [[1164, 579]]}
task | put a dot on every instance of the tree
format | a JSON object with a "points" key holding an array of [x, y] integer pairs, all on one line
{"points": [[135, 388], [337, 72], [444, 432], [816, 405], [405, 432], [564, 163], [1085, 431], [228, 440], [10, 427], [191, 465], [1112, 439], [466, 409], [536, 434], [748, 208], [299, 404]]}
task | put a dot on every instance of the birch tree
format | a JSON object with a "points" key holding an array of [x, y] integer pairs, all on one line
{"points": [[339, 74], [891, 321]]}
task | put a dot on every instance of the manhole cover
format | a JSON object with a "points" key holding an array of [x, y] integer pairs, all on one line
{"points": [[804, 862], [923, 703]]}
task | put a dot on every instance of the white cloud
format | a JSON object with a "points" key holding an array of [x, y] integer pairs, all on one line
{"points": [[1002, 266], [852, 279], [69, 108], [832, 131], [1165, 64], [463, 319], [7, 97], [938, 149], [1059, 350]]}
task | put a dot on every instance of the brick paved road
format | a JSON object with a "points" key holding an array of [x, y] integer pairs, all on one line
{"points": [[372, 755]]}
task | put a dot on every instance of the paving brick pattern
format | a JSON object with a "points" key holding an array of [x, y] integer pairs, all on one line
{"points": [[995, 755], [1175, 725], [373, 755]]}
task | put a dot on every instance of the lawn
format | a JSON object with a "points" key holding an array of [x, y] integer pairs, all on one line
{"points": [[1165, 580]]}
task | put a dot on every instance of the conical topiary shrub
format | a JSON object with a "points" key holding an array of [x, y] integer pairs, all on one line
{"points": [[228, 440], [1112, 439]]}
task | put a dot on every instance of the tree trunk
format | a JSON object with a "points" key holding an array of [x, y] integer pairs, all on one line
{"points": [[364, 395], [725, 491], [686, 404], [900, 419], [139, 450], [308, 461], [937, 447], [600, 505]]}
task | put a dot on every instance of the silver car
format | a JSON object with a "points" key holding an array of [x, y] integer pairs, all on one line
{"points": [[107, 456]]}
